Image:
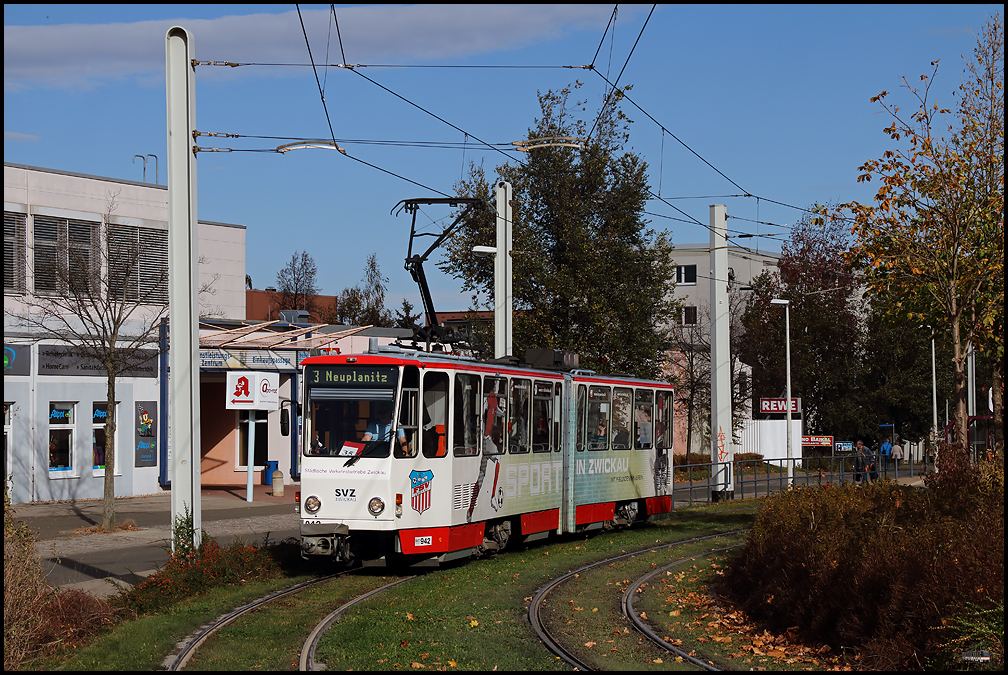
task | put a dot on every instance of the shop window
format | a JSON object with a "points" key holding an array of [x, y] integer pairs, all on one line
{"points": [[99, 413], [261, 438], [61, 428]]}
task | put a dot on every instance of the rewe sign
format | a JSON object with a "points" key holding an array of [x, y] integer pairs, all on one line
{"points": [[249, 390], [778, 405]]}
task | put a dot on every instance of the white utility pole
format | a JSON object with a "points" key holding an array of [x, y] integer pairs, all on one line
{"points": [[722, 452], [183, 283], [502, 273], [787, 359]]}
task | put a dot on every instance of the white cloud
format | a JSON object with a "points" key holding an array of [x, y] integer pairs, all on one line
{"points": [[83, 55], [15, 136]]}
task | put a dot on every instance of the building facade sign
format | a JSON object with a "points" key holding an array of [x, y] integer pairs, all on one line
{"points": [[247, 359], [17, 360], [145, 436], [62, 360], [778, 405], [252, 391]]}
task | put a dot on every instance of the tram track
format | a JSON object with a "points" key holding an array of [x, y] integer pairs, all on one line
{"points": [[553, 643], [645, 629], [307, 660], [190, 647], [306, 656]]}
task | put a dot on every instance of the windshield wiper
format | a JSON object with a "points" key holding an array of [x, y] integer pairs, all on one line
{"points": [[372, 444]]}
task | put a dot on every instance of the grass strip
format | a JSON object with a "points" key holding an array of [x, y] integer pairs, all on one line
{"points": [[144, 643], [472, 616], [271, 637]]}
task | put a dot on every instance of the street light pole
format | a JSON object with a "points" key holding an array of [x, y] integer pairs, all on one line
{"points": [[787, 348]]}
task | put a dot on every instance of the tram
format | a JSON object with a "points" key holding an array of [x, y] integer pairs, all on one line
{"points": [[412, 455]]}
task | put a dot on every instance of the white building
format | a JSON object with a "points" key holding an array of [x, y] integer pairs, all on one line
{"points": [[54, 402], [693, 290]]}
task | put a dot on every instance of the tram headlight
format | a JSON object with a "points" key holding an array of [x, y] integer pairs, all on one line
{"points": [[312, 504], [376, 506]]}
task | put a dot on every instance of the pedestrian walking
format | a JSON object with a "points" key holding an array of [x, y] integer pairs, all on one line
{"points": [[897, 454], [860, 463], [885, 453]]}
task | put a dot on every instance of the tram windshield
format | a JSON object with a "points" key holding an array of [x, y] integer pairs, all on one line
{"points": [[350, 411]]}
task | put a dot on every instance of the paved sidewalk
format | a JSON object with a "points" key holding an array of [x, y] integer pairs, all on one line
{"points": [[102, 563]]}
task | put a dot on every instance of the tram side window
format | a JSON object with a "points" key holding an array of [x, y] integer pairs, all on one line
{"points": [[622, 417], [466, 430], [582, 404], [557, 415], [542, 416], [598, 417], [408, 413], [643, 414], [435, 420], [663, 423], [518, 429], [494, 414]]}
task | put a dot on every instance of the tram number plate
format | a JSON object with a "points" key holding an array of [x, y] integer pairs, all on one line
{"points": [[422, 541]]}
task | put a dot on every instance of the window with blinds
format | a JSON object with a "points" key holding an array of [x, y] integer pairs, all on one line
{"points": [[65, 255], [138, 264], [14, 252]]}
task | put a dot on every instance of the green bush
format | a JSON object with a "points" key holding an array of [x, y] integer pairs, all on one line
{"points": [[194, 572], [884, 568]]}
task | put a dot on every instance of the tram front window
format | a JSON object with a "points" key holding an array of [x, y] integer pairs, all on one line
{"points": [[350, 428]]}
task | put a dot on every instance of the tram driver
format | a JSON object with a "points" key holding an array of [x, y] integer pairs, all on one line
{"points": [[379, 427]]}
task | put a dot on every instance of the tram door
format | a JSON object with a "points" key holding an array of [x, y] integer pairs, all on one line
{"points": [[575, 410]]}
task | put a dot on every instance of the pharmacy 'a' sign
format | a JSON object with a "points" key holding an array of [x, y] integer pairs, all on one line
{"points": [[250, 390]]}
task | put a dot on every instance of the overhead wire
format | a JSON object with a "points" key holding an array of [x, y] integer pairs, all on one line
{"points": [[606, 101], [324, 107]]}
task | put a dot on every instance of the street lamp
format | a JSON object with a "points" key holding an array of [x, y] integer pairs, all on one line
{"points": [[787, 347], [934, 390]]}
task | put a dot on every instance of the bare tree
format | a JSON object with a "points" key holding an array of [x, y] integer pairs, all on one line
{"points": [[692, 369], [365, 305], [97, 290], [297, 286], [208, 289]]}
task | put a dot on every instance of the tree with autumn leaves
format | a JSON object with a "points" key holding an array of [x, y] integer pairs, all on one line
{"points": [[932, 243]]}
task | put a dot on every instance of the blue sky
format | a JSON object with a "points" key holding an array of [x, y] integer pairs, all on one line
{"points": [[776, 98]]}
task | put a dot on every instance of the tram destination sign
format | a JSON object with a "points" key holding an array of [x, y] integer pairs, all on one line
{"points": [[351, 376]]}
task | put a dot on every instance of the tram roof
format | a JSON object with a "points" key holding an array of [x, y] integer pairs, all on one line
{"points": [[391, 355]]}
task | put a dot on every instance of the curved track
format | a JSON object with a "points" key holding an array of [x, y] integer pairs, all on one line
{"points": [[554, 645], [307, 661], [183, 657], [641, 627]]}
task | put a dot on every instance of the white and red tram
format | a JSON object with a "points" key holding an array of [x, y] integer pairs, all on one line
{"points": [[427, 455]]}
